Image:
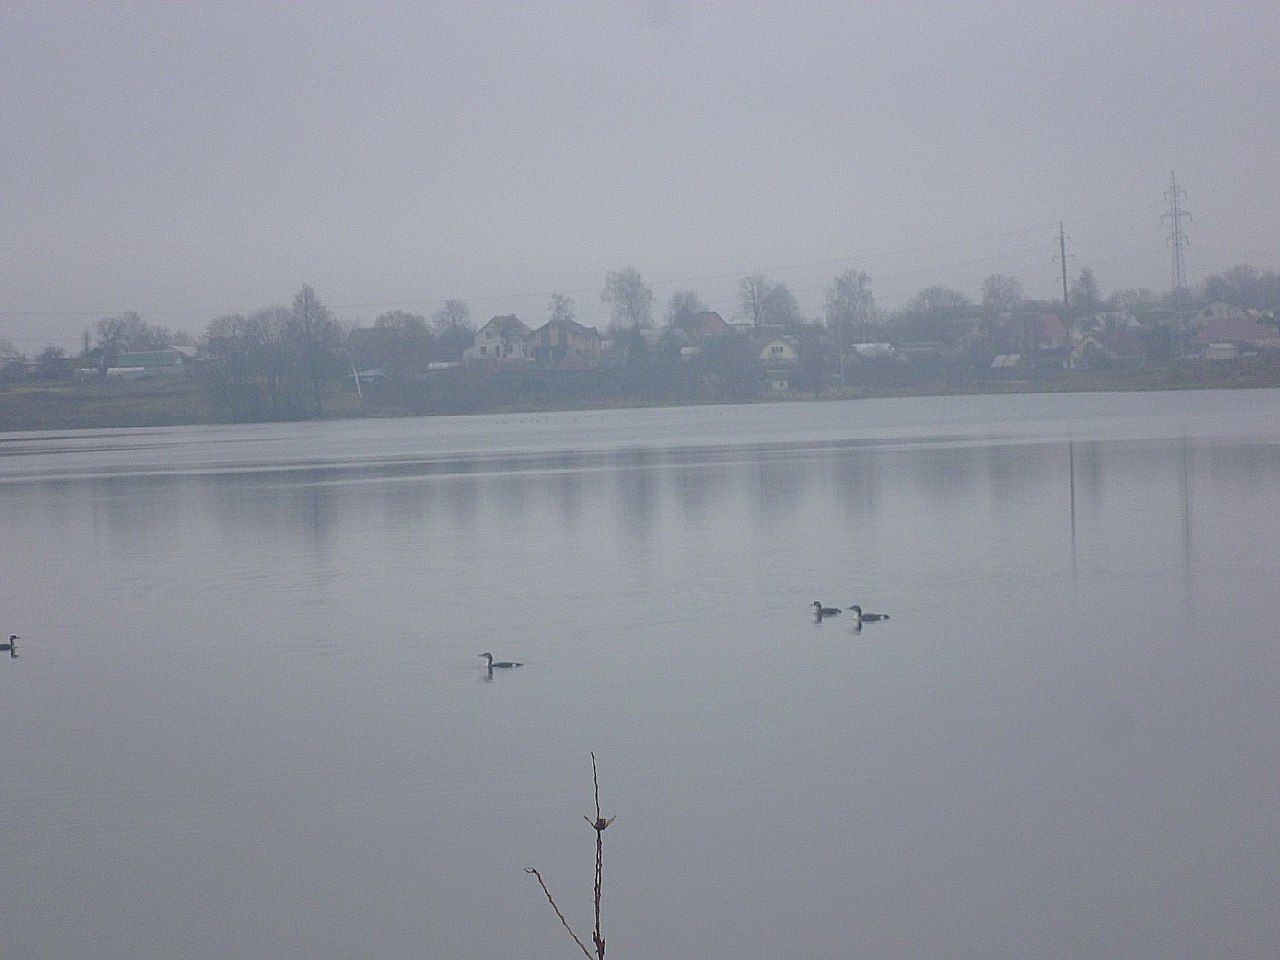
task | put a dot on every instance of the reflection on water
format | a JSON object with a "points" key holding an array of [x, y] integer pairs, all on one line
{"points": [[249, 723]]}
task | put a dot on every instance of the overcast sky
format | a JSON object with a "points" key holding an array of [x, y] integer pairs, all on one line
{"points": [[187, 160]]}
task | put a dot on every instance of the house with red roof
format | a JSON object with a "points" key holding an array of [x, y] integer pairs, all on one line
{"points": [[1048, 332], [706, 323], [1232, 336], [565, 343]]}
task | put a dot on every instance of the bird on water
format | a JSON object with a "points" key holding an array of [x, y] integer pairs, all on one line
{"points": [[11, 646], [868, 617], [500, 664], [820, 611]]}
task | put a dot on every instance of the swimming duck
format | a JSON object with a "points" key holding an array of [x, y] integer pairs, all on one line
{"points": [[820, 611], [501, 664], [11, 646], [868, 617]]}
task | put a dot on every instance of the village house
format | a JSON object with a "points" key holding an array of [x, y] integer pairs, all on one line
{"points": [[565, 343], [872, 351], [501, 340], [706, 323], [144, 364], [1233, 336], [1101, 349], [780, 356], [1220, 310]]}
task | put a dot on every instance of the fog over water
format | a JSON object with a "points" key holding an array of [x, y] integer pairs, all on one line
{"points": [[248, 719]]}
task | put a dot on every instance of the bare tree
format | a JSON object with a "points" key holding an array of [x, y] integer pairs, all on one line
{"points": [[683, 306], [780, 307], [235, 345], [401, 322], [849, 302], [1245, 286], [454, 328], [630, 300], [849, 305], [935, 312], [128, 332], [453, 318], [313, 335], [52, 364], [753, 291], [270, 328], [1086, 298], [1001, 294], [767, 304], [561, 308]]}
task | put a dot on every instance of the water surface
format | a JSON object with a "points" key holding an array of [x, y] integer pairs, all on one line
{"points": [[248, 718]]}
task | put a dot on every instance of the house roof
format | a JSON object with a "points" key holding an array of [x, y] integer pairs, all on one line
{"points": [[1236, 329], [572, 326], [1048, 326], [505, 326], [1221, 308], [706, 323], [872, 351], [1126, 344], [151, 358]]}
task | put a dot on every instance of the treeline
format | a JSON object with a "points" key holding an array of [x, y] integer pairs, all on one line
{"points": [[288, 362]]}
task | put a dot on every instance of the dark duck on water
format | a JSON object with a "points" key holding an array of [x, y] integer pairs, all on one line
{"points": [[820, 611], [11, 647], [868, 617], [500, 664]]}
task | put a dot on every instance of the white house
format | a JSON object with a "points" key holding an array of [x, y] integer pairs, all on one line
{"points": [[872, 351], [144, 364], [779, 355], [780, 351], [502, 339]]}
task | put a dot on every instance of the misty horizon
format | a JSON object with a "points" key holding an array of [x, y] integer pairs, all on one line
{"points": [[186, 164]]}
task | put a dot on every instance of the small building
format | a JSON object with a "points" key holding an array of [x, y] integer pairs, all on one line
{"points": [[565, 343], [365, 377], [1100, 349], [1048, 332], [780, 356], [1111, 321], [144, 364], [873, 351], [501, 340], [1220, 310], [1010, 366], [1226, 338], [706, 323], [780, 351]]}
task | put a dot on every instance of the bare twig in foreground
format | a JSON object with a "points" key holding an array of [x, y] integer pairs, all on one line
{"points": [[551, 900], [599, 825]]}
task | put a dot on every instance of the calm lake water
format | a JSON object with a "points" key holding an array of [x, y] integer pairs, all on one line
{"points": [[248, 720]]}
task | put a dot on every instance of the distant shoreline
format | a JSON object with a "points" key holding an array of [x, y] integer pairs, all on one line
{"points": [[77, 406]]}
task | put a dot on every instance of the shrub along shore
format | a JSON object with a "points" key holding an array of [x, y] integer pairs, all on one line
{"points": [[185, 400]]}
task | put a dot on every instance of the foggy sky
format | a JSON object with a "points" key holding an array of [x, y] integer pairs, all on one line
{"points": [[187, 161]]}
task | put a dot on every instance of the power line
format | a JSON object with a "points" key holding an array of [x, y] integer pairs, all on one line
{"points": [[1062, 252]]}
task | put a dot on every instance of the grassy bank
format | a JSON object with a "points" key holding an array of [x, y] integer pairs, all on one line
{"points": [[179, 401]]}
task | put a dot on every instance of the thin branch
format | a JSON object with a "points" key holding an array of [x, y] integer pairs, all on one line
{"points": [[599, 826], [551, 900], [595, 779]]}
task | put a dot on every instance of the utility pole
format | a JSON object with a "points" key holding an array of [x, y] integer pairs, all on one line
{"points": [[840, 347], [1062, 252], [1177, 235]]}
